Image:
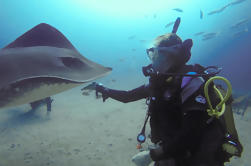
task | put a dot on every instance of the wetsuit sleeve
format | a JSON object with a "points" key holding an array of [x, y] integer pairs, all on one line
{"points": [[129, 96], [193, 124]]}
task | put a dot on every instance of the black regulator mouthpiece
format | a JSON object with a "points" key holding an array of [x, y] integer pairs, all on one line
{"points": [[147, 70]]}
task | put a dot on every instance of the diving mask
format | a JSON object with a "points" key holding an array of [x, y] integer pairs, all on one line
{"points": [[165, 58]]}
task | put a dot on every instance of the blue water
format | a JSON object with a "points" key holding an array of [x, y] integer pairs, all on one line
{"points": [[115, 33], [100, 31]]}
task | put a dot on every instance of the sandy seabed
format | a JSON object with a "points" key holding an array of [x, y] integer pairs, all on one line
{"points": [[83, 131]]}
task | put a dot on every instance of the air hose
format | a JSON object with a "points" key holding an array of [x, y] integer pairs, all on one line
{"points": [[220, 108]]}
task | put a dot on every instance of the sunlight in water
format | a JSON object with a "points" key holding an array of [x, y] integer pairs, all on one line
{"points": [[127, 8]]}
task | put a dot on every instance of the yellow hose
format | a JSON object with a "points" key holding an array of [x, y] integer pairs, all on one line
{"points": [[220, 108]]}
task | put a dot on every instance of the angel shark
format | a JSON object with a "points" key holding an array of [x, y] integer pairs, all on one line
{"points": [[40, 63]]}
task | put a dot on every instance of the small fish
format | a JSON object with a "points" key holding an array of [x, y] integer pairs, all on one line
{"points": [[155, 16], [199, 33], [142, 41], [237, 2], [213, 12], [201, 14], [91, 86], [239, 23], [131, 37], [122, 59], [85, 93], [212, 34], [240, 32], [178, 10], [218, 10], [133, 49], [169, 24], [208, 37]]}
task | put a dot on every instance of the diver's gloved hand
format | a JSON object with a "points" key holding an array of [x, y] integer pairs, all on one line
{"points": [[142, 158], [157, 153], [101, 89]]}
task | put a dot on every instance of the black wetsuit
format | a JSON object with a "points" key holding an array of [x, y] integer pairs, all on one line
{"points": [[181, 126]]}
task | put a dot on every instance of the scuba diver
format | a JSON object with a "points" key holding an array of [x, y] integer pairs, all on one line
{"points": [[185, 127]]}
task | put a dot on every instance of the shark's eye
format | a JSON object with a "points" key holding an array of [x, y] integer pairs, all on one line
{"points": [[73, 63]]}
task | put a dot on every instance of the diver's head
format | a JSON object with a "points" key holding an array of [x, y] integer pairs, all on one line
{"points": [[169, 52], [167, 40]]}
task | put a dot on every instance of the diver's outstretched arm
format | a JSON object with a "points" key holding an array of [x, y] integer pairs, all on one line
{"points": [[123, 96]]}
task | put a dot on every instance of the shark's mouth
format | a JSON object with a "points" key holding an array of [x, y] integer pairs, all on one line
{"points": [[32, 89]]}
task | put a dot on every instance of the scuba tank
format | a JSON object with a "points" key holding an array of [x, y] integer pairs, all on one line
{"points": [[231, 145]]}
